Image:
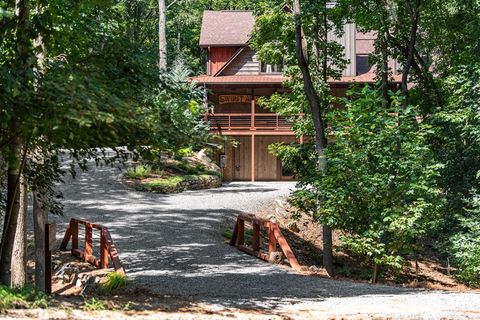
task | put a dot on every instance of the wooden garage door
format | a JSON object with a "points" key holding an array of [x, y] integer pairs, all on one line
{"points": [[242, 164], [266, 164]]}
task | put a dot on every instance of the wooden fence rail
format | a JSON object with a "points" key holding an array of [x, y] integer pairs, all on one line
{"points": [[107, 247], [274, 236]]}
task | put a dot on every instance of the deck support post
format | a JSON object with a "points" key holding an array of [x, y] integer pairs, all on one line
{"points": [[253, 158]]}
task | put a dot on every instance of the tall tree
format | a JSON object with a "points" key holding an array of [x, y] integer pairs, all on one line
{"points": [[13, 245], [316, 107], [162, 35]]}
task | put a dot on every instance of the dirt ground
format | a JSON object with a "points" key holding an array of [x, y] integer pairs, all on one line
{"points": [[305, 237]]}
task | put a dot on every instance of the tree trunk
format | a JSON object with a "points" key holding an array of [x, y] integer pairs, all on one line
{"points": [[12, 219], [19, 256], [318, 122], [12, 247], [162, 35], [409, 59], [383, 68], [40, 218]]}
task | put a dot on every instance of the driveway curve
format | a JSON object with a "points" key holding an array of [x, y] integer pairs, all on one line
{"points": [[173, 245]]}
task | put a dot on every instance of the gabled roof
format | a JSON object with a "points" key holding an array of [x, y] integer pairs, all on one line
{"points": [[226, 28]]}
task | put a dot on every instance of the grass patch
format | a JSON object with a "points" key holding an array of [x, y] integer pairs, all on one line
{"points": [[25, 297], [94, 305], [139, 172], [115, 280], [169, 182]]}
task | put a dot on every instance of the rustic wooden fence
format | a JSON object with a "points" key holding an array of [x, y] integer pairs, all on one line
{"points": [[107, 247], [275, 237]]}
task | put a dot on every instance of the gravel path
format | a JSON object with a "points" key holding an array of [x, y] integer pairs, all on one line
{"points": [[173, 245]]}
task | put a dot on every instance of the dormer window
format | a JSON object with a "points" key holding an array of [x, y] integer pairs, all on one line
{"points": [[272, 68]]}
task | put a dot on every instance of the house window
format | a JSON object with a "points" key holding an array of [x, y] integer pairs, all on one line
{"points": [[363, 66], [272, 68]]}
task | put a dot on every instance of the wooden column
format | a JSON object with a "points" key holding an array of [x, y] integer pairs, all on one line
{"points": [[252, 113], [253, 158]]}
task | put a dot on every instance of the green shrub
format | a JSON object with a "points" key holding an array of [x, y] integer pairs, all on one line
{"points": [[139, 172], [182, 153], [115, 280], [25, 297], [465, 243]]}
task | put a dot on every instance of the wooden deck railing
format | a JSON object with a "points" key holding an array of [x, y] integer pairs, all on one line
{"points": [[274, 236], [107, 247], [248, 121]]}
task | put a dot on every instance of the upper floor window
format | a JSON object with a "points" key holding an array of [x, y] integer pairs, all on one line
{"points": [[363, 66], [272, 68]]}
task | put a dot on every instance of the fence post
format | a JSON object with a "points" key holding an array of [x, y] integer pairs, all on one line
{"points": [[272, 241], [241, 232], [74, 231], [103, 250], [88, 240]]}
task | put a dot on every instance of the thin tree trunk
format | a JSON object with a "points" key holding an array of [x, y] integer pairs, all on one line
{"points": [[19, 256], [12, 212], [162, 35], [40, 218], [411, 50], [318, 121], [384, 67]]}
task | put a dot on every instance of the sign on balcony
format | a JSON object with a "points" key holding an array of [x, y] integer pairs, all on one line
{"points": [[234, 98]]}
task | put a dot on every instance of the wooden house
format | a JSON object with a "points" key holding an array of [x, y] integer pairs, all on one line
{"points": [[236, 78]]}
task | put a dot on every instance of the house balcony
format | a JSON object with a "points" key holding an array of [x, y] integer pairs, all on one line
{"points": [[227, 123]]}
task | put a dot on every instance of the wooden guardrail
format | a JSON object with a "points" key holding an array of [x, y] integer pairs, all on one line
{"points": [[107, 247], [274, 236]]}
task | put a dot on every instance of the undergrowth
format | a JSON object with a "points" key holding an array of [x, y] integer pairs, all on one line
{"points": [[25, 297]]}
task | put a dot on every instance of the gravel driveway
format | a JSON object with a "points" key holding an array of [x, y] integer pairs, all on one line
{"points": [[173, 245]]}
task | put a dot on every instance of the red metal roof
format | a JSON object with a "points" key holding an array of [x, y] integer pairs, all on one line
{"points": [[246, 79], [226, 28], [278, 79]]}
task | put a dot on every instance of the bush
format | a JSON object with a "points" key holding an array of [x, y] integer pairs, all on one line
{"points": [[182, 153], [465, 244], [381, 182], [139, 172]]}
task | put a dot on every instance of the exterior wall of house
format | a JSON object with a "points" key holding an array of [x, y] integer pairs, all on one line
{"points": [[347, 40], [245, 64], [218, 56]]}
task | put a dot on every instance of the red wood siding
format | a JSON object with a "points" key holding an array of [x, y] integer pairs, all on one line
{"points": [[219, 56]]}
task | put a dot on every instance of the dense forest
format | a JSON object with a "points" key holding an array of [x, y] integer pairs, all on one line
{"points": [[394, 169]]}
